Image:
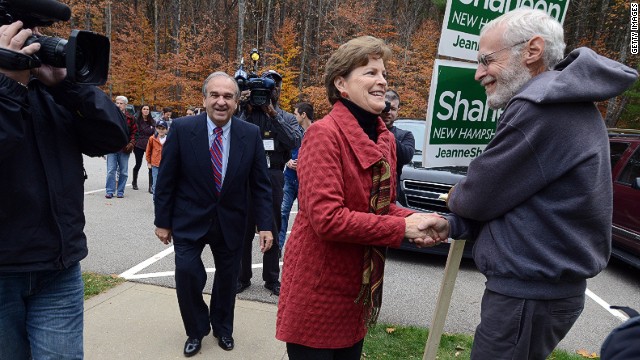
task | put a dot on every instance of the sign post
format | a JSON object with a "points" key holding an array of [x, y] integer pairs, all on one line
{"points": [[444, 299]]}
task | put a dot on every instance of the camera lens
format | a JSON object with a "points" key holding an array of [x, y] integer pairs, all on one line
{"points": [[259, 97], [52, 49]]}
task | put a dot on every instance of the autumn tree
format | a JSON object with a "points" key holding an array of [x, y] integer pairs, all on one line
{"points": [[285, 61], [161, 50]]}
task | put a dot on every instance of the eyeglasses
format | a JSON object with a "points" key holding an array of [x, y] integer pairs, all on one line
{"points": [[485, 59]]}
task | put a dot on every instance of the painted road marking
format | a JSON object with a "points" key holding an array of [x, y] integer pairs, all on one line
{"points": [[619, 314], [132, 273], [99, 190], [143, 265]]}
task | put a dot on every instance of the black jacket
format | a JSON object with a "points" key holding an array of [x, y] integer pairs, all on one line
{"points": [[43, 134], [405, 148], [283, 129]]}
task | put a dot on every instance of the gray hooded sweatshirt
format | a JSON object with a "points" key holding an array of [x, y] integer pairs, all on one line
{"points": [[538, 200]]}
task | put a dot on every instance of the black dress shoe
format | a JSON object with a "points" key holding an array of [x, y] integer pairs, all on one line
{"points": [[274, 288], [192, 347], [225, 342], [242, 287]]}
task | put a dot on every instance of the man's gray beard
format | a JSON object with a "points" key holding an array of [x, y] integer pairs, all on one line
{"points": [[512, 78]]}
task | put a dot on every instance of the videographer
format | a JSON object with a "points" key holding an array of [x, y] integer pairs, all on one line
{"points": [[46, 124], [280, 134]]}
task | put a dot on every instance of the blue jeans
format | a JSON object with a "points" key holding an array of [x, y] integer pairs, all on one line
{"points": [[41, 316], [117, 161], [154, 174], [290, 194]]}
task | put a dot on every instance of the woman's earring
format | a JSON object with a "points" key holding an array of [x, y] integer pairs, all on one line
{"points": [[344, 94]]}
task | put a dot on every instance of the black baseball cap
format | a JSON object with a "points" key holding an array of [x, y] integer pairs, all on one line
{"points": [[273, 75]]}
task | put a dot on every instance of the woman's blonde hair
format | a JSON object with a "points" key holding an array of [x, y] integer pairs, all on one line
{"points": [[350, 55]]}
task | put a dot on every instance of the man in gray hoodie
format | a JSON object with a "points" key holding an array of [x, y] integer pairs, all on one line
{"points": [[538, 200]]}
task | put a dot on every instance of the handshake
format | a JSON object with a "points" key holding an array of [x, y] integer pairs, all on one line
{"points": [[426, 229]]}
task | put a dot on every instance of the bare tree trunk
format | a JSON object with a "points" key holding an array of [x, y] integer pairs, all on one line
{"points": [[305, 46], [267, 26], [156, 43], [242, 11], [600, 24], [87, 16], [318, 40], [107, 30], [617, 105], [177, 9]]}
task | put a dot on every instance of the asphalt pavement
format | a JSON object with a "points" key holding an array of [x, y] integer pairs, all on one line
{"points": [[141, 317]]}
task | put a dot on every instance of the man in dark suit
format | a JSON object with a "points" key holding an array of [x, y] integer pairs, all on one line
{"points": [[209, 163], [405, 142]]}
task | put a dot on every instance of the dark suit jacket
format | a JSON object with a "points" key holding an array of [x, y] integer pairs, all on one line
{"points": [[405, 147], [185, 199]]}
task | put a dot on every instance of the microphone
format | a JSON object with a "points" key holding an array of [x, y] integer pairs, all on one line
{"points": [[54, 10]]}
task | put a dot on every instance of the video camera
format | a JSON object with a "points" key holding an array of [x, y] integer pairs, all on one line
{"points": [[260, 86], [85, 55]]}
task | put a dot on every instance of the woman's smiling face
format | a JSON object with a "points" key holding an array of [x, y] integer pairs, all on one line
{"points": [[365, 85]]}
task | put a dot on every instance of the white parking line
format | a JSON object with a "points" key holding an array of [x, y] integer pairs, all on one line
{"points": [[99, 190], [94, 191], [132, 273], [143, 265], [619, 314]]}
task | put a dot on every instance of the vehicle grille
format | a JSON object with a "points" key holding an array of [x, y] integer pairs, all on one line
{"points": [[424, 195]]}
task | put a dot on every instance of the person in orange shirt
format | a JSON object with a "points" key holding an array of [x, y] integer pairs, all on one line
{"points": [[154, 150]]}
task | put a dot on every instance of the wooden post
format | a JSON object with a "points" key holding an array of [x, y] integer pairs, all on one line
{"points": [[444, 299]]}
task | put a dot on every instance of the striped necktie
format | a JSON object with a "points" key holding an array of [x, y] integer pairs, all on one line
{"points": [[216, 158]]}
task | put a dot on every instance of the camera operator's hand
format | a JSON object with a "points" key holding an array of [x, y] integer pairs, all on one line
{"points": [[13, 37], [48, 74], [269, 110]]}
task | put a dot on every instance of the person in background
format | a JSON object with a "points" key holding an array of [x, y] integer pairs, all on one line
{"points": [[211, 165], [538, 200], [280, 134], [46, 124], [190, 111], [146, 127], [154, 151], [118, 162], [405, 142], [166, 115], [304, 115], [334, 264]]}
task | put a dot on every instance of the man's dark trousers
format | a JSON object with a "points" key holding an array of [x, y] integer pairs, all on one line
{"points": [[271, 258], [191, 278]]}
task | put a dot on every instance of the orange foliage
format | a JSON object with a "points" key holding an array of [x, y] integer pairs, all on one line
{"points": [[132, 64], [414, 74], [317, 95], [286, 63], [208, 33]]}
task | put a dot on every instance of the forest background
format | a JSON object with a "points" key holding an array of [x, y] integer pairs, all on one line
{"points": [[162, 50]]}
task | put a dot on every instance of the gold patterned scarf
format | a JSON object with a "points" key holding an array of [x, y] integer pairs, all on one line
{"points": [[374, 256]]}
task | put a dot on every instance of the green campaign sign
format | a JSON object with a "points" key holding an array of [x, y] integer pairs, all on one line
{"points": [[463, 20], [459, 122]]}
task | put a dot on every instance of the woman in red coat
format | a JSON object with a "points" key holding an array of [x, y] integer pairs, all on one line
{"points": [[333, 266]]}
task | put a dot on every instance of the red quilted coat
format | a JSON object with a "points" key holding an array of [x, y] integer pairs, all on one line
{"points": [[323, 262]]}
